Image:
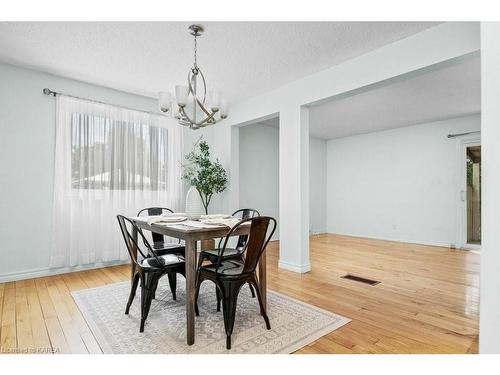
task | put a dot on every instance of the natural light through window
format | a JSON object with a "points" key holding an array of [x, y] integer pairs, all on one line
{"points": [[117, 155]]}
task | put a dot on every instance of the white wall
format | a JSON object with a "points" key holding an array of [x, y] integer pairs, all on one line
{"points": [[400, 184], [27, 131], [489, 324], [259, 174], [259, 169], [317, 185]]}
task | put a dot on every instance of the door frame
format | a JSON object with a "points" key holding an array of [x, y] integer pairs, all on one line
{"points": [[469, 141]]}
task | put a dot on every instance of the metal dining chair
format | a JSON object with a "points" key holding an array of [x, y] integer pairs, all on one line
{"points": [[230, 253], [160, 246], [229, 275], [149, 268]]}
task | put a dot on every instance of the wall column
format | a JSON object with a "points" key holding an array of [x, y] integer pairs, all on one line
{"points": [[294, 188], [489, 325]]}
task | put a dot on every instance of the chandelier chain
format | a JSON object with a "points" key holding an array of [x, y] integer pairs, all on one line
{"points": [[195, 51]]}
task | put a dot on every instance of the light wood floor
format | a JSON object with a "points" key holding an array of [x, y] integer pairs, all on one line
{"points": [[427, 301]]}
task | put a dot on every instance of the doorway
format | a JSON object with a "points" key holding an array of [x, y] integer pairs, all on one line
{"points": [[473, 194], [470, 194]]}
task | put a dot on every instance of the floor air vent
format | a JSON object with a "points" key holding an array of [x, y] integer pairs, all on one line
{"points": [[360, 279]]}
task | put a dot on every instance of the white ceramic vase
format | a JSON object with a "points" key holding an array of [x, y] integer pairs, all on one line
{"points": [[194, 205]]}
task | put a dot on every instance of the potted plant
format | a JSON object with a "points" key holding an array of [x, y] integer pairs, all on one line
{"points": [[206, 176]]}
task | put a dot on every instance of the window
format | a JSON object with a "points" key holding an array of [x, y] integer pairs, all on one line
{"points": [[117, 155], [109, 160]]}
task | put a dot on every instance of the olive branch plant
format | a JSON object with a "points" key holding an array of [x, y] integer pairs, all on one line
{"points": [[207, 176]]}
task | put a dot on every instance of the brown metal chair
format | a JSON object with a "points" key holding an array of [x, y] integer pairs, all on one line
{"points": [[149, 268], [229, 253], [229, 275]]}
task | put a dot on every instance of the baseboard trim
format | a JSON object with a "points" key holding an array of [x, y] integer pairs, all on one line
{"points": [[43, 272], [414, 242], [317, 234], [294, 267], [311, 234]]}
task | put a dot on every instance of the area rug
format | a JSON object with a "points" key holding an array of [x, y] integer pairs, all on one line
{"points": [[294, 324]]}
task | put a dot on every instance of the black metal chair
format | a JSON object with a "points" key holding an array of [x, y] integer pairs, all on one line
{"points": [[149, 268], [229, 275], [229, 253], [159, 245]]}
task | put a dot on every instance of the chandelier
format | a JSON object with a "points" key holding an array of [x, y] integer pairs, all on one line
{"points": [[193, 107]]}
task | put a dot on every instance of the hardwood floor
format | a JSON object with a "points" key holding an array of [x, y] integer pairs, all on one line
{"points": [[427, 300]]}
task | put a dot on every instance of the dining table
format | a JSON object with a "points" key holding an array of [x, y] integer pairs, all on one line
{"points": [[192, 231]]}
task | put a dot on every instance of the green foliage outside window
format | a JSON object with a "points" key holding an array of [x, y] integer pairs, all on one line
{"points": [[469, 172]]}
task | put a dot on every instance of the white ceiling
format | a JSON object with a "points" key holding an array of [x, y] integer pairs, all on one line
{"points": [[449, 92], [243, 59], [445, 93]]}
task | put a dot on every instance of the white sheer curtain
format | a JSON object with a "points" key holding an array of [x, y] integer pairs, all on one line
{"points": [[108, 161]]}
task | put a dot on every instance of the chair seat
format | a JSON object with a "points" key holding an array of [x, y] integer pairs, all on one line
{"points": [[228, 268], [166, 260], [162, 248], [228, 253]]}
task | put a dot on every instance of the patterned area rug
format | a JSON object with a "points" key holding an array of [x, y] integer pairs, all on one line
{"points": [[294, 324]]}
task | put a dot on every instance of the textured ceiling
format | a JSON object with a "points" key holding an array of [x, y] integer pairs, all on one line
{"points": [[449, 92], [446, 93], [242, 59]]}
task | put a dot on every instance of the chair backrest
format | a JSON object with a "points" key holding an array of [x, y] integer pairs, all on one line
{"points": [[244, 213], [261, 230], [155, 211], [132, 246]]}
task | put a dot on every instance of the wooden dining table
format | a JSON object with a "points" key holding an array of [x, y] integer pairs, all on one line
{"points": [[191, 235]]}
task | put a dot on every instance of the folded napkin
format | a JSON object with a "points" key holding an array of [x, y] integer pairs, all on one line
{"points": [[166, 218]]}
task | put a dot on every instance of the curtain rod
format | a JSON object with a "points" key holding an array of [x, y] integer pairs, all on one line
{"points": [[460, 134], [49, 92]]}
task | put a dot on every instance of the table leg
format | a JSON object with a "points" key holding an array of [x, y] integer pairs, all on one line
{"points": [[263, 278], [190, 288]]}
